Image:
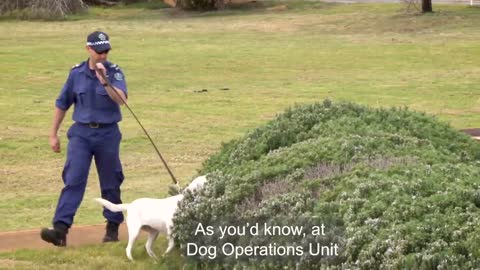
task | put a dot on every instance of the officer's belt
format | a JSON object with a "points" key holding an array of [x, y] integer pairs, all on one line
{"points": [[96, 125]]}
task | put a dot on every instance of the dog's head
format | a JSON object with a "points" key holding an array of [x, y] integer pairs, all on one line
{"points": [[197, 183]]}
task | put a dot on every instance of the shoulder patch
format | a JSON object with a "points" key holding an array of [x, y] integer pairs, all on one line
{"points": [[118, 76]]}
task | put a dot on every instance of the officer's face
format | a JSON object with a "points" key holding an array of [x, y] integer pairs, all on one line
{"points": [[97, 57]]}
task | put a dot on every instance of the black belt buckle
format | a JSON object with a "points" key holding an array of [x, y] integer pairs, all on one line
{"points": [[94, 125]]}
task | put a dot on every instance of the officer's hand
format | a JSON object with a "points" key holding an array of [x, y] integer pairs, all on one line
{"points": [[101, 68], [55, 143]]}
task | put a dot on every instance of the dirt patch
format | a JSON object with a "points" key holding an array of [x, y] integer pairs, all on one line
{"points": [[278, 8], [474, 132], [78, 236]]}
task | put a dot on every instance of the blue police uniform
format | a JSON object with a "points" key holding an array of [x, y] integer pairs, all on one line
{"points": [[95, 133]]}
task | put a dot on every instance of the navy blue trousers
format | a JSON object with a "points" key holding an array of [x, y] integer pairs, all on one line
{"points": [[84, 143]]}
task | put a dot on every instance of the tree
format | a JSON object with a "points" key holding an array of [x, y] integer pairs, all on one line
{"points": [[427, 6], [416, 6]]}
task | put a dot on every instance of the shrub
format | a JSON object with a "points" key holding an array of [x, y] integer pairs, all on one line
{"points": [[394, 189], [199, 4], [41, 9]]}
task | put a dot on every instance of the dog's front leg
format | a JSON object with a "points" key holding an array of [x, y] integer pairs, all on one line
{"points": [[170, 245], [170, 239]]}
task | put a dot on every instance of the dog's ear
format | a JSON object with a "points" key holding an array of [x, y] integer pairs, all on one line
{"points": [[174, 190]]}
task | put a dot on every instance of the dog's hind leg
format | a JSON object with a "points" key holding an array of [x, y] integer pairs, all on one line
{"points": [[152, 235], [133, 231]]}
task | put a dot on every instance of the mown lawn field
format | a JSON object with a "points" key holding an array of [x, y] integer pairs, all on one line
{"points": [[253, 62]]}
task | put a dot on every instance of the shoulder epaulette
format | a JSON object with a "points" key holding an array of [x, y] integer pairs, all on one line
{"points": [[115, 66], [77, 65]]}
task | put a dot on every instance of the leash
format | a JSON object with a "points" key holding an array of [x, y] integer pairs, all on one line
{"points": [[105, 78]]}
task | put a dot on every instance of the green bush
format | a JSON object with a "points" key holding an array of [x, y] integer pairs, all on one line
{"points": [[41, 9], [394, 189]]}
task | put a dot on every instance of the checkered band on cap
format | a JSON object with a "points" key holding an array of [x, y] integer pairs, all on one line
{"points": [[99, 41]]}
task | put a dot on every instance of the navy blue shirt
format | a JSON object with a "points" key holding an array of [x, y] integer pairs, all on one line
{"points": [[92, 103]]}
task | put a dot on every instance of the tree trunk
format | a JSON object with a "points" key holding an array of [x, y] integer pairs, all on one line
{"points": [[427, 6]]}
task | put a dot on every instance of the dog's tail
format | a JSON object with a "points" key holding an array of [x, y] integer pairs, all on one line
{"points": [[111, 206]]}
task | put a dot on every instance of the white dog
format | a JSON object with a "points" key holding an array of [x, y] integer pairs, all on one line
{"points": [[151, 215]]}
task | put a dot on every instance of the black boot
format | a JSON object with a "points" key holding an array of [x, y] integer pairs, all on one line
{"points": [[111, 234], [57, 235]]}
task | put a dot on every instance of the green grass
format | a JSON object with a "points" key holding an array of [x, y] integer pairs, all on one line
{"points": [[269, 59], [111, 256]]}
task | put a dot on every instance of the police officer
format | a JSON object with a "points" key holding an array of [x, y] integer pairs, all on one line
{"points": [[95, 133]]}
